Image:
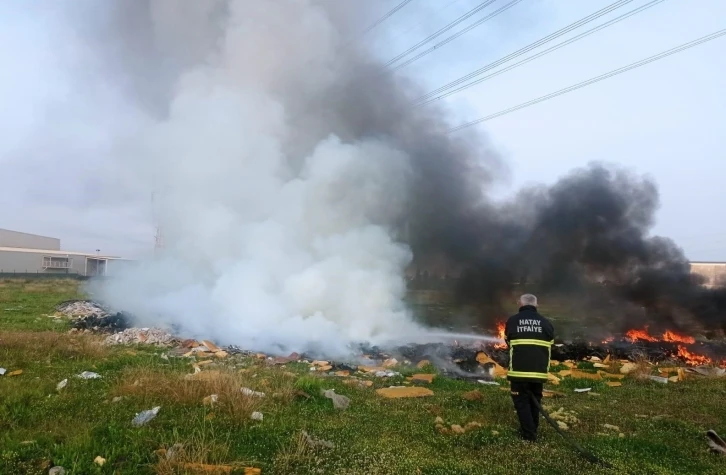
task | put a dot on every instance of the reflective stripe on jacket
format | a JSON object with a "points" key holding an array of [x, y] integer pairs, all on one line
{"points": [[530, 337]]}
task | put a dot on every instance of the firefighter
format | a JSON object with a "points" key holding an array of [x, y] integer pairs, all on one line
{"points": [[529, 336]]}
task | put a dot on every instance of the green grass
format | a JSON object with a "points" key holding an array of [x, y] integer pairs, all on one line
{"points": [[39, 425]]}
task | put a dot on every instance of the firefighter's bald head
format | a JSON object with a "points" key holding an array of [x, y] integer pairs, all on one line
{"points": [[527, 299]]}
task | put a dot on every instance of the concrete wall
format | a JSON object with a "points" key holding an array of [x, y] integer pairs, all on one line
{"points": [[22, 262], [713, 272], [31, 241]]}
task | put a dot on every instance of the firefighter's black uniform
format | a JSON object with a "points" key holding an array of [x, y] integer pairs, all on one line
{"points": [[530, 337]]}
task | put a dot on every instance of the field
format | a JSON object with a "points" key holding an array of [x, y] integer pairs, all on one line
{"points": [[660, 428]]}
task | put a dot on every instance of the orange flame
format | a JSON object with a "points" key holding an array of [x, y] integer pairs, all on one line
{"points": [[676, 338], [500, 334], [692, 358], [634, 335], [608, 340]]}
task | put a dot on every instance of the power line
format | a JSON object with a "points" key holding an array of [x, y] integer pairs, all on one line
{"points": [[443, 30], [384, 18], [454, 36], [408, 30], [536, 44], [544, 52], [602, 77]]}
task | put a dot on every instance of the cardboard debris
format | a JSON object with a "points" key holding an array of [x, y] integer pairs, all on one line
{"points": [[221, 354], [390, 363], [320, 363], [457, 429], [423, 364], [371, 369], [211, 346], [601, 365], [438, 420], [628, 368], [472, 425], [17, 372], [614, 384], [358, 382], [424, 378], [611, 427], [553, 379], [260, 356], [342, 373], [202, 363], [569, 364], [396, 392], [607, 359], [611, 375], [210, 400], [585, 375], [565, 372], [681, 374], [562, 425], [667, 370], [673, 379], [483, 358], [595, 359], [99, 461]]}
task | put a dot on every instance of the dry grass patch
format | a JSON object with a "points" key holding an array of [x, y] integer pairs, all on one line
{"points": [[154, 386], [48, 345], [205, 452], [293, 457]]}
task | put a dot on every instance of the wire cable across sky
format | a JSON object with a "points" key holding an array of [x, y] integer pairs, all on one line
{"points": [[538, 43], [456, 35], [594, 80]]}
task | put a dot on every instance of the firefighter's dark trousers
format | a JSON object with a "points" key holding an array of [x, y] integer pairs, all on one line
{"points": [[527, 411]]}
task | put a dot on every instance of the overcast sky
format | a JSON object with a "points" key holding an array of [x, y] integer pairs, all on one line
{"points": [[664, 120]]}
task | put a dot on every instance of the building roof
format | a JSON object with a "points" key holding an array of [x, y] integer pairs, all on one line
{"points": [[51, 252]]}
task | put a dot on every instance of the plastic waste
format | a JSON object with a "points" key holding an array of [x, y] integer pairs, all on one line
{"points": [[89, 375], [339, 402], [256, 416], [144, 417], [61, 385]]}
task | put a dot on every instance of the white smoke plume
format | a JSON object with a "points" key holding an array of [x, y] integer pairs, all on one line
{"points": [[284, 166]]}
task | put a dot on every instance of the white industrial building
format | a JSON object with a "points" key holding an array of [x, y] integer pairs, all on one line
{"points": [[22, 253]]}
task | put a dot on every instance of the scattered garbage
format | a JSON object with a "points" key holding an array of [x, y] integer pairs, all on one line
{"points": [[3, 371], [386, 374], [313, 442], [103, 323], [582, 390], [611, 427], [256, 416], [490, 383], [149, 336], [81, 308], [658, 379], [474, 395], [562, 425], [457, 429], [99, 461], [339, 402], [715, 442], [144, 417], [89, 375], [395, 392], [61, 385], [628, 368], [117, 399], [17, 372], [57, 470], [210, 400], [249, 392], [566, 417]]}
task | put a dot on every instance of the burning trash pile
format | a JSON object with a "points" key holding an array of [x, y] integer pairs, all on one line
{"points": [[90, 315]]}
